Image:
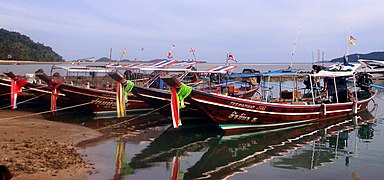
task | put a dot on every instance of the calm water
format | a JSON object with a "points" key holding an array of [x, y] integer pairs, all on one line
{"points": [[344, 148]]}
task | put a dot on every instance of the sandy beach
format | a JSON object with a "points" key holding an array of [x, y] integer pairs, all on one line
{"points": [[34, 148]]}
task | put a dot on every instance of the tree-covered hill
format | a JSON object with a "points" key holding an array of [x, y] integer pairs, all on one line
{"points": [[354, 57], [15, 46]]}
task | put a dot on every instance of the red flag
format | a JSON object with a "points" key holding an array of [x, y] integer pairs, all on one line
{"points": [[170, 55]]}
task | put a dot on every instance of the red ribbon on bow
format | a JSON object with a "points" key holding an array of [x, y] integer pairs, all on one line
{"points": [[54, 95]]}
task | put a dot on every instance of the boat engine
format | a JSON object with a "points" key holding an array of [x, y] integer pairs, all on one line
{"points": [[363, 80]]}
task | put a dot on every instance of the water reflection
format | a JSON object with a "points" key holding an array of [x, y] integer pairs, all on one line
{"points": [[122, 166], [304, 147], [174, 143]]}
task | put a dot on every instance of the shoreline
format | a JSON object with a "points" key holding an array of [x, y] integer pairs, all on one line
{"points": [[34, 148]]}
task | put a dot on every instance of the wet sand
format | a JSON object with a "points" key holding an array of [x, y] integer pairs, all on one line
{"points": [[34, 148]]}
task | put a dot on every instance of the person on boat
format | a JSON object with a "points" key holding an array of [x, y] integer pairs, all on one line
{"points": [[128, 74], [341, 88]]}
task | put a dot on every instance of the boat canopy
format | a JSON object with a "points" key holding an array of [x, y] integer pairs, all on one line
{"points": [[218, 70], [284, 73], [76, 69], [243, 75], [324, 73], [372, 64]]}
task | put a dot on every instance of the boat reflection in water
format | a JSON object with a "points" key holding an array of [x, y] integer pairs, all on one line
{"points": [[302, 147], [236, 152], [174, 143], [122, 167]]}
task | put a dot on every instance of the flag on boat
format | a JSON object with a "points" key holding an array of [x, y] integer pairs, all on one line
{"points": [[191, 50], [231, 57], [124, 51], [173, 45], [169, 55], [142, 49], [351, 41]]}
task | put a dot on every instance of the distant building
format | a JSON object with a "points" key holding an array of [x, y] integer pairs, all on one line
{"points": [[9, 57]]}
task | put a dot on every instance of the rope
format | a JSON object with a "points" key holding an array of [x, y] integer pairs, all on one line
{"points": [[23, 101], [129, 120], [33, 114], [24, 90], [5, 94]]}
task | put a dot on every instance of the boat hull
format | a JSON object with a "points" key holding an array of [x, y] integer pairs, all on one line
{"points": [[95, 100], [161, 100], [236, 114], [37, 92]]}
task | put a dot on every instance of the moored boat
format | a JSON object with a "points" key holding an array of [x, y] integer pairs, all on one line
{"points": [[94, 100], [335, 97], [27, 91]]}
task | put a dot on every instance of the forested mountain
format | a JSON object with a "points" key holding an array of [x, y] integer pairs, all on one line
{"points": [[15, 46], [355, 57]]}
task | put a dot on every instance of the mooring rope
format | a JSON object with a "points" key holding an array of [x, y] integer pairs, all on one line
{"points": [[23, 101], [129, 120], [49, 111], [24, 90], [5, 94]]}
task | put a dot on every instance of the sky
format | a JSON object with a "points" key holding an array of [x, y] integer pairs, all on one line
{"points": [[253, 31]]}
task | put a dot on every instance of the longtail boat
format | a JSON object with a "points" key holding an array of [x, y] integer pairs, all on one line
{"points": [[158, 96], [25, 90], [296, 106], [94, 100], [97, 100]]}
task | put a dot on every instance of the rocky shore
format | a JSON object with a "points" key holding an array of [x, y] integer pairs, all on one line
{"points": [[34, 148]]}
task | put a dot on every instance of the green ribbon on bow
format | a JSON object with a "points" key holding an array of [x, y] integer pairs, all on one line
{"points": [[183, 93], [128, 88]]}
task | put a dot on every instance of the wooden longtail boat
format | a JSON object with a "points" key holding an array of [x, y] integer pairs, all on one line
{"points": [[95, 100], [29, 90], [154, 94], [238, 114], [159, 97]]}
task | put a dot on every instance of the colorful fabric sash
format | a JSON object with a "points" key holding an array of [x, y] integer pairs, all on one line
{"points": [[16, 85], [177, 102]]}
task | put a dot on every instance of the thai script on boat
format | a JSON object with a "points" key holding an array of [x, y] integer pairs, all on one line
{"points": [[103, 103], [247, 106], [242, 117]]}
